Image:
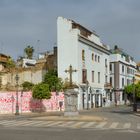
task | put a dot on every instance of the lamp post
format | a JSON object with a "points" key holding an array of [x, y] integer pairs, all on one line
{"points": [[87, 86], [21, 100], [134, 97], [17, 105]]}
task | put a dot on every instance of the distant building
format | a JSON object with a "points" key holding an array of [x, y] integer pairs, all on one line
{"points": [[137, 74], [122, 73], [84, 51], [29, 70], [3, 60]]}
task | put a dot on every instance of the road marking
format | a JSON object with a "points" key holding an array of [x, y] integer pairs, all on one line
{"points": [[127, 125], [67, 124], [138, 126], [22, 123], [114, 125], [89, 124], [54, 123], [8, 122], [43, 123], [101, 125], [78, 124], [33, 123]]}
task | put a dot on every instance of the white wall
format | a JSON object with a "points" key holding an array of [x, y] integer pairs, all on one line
{"points": [[67, 48], [70, 52]]}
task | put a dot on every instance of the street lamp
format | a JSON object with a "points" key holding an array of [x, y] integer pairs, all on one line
{"points": [[17, 105], [87, 86], [134, 97]]}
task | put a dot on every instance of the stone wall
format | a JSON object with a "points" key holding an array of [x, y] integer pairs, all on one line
{"points": [[28, 104]]}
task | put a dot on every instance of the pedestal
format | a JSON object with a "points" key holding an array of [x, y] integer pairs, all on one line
{"points": [[71, 103]]}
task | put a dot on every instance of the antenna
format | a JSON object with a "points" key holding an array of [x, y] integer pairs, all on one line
{"points": [[37, 48]]}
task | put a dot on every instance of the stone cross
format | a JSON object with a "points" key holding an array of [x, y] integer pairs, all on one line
{"points": [[70, 71]]}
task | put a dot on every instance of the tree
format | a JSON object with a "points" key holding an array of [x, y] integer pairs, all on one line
{"points": [[51, 78], [129, 89], [137, 89], [29, 51], [133, 88], [41, 91], [27, 86]]}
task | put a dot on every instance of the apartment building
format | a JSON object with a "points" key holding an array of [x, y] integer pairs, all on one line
{"points": [[84, 51], [122, 73]]}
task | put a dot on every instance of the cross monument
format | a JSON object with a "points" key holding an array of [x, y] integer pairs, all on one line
{"points": [[70, 71]]}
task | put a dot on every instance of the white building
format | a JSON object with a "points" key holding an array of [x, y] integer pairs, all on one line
{"points": [[122, 72], [82, 48]]}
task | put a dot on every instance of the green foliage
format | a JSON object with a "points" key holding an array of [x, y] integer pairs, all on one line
{"points": [[29, 51], [10, 63], [137, 89], [130, 89], [55, 83], [41, 91], [27, 86]]}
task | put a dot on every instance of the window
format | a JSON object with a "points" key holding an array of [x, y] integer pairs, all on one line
{"points": [[105, 62], [122, 82], [84, 75], [111, 81], [122, 68], [83, 55], [128, 70], [92, 76], [128, 82], [92, 57], [98, 77], [111, 67], [98, 58], [106, 79]]}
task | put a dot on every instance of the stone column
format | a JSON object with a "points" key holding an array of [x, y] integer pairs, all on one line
{"points": [[71, 103]]}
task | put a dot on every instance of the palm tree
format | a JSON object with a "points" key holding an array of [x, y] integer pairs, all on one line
{"points": [[29, 51]]}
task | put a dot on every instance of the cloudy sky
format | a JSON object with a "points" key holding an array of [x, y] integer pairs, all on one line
{"points": [[33, 22]]}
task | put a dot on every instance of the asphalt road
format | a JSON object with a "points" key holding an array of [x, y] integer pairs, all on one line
{"points": [[66, 134], [122, 115]]}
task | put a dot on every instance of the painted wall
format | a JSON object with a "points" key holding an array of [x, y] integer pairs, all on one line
{"points": [[28, 104]]}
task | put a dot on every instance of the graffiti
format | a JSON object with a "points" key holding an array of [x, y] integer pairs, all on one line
{"points": [[27, 103]]}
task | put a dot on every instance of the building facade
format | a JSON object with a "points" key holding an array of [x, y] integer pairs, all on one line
{"points": [[29, 70], [84, 51], [137, 74], [122, 73]]}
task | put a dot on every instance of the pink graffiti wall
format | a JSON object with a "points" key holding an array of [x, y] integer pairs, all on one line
{"points": [[26, 103]]}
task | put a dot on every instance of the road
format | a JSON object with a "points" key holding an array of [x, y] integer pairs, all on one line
{"points": [[66, 134], [115, 114], [121, 124]]}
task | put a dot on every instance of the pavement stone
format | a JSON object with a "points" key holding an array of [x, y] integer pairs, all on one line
{"points": [[71, 118], [54, 116]]}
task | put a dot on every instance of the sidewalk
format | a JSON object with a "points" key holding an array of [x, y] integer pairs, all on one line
{"points": [[52, 116]]}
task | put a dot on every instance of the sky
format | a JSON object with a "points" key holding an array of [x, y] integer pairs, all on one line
{"points": [[33, 22]]}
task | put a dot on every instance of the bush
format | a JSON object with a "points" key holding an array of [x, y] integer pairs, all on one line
{"points": [[27, 86], [41, 91]]}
